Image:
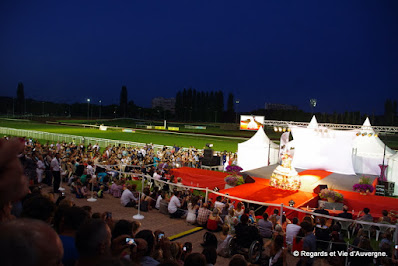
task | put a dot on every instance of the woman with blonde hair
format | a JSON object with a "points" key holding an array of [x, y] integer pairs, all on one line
{"points": [[240, 209], [214, 222]]}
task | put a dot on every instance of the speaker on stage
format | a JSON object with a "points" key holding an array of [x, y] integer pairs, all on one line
{"points": [[247, 178], [208, 153], [318, 189]]}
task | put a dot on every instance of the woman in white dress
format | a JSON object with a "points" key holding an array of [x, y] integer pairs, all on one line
{"points": [[192, 207]]}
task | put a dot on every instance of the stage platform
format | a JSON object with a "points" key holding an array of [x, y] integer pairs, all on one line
{"points": [[261, 191]]}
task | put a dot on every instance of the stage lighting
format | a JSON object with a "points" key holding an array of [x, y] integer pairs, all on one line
{"points": [[280, 129], [370, 134], [275, 129], [284, 129], [291, 203], [358, 134], [376, 135]]}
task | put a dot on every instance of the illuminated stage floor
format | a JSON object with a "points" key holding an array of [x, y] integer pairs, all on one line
{"points": [[309, 182]]}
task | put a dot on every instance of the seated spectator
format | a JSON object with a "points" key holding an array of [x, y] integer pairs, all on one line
{"points": [[252, 217], [246, 234], [72, 219], [363, 246], [192, 208], [39, 207], [147, 258], [195, 259], [135, 226], [345, 214], [275, 215], [238, 260], [276, 253], [203, 215], [93, 242], [128, 199], [214, 222], [176, 252], [218, 203], [116, 189], [81, 191], [292, 230], [210, 254], [297, 244], [161, 195], [366, 217], [322, 234], [265, 227], [321, 209], [29, 242], [239, 209], [100, 193], [223, 248], [385, 218], [285, 222], [231, 220], [174, 206], [122, 227]]}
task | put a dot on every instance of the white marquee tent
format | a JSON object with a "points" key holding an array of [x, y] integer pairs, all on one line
{"points": [[321, 148], [368, 151], [257, 152]]}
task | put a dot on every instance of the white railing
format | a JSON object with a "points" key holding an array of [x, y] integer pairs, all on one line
{"points": [[70, 138]]}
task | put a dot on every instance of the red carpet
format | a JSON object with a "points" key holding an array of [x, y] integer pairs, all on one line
{"points": [[195, 176], [262, 192]]}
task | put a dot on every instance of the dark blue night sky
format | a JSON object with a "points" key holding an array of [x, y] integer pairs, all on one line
{"points": [[343, 53]]}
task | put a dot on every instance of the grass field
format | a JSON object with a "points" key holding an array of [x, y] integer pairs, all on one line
{"points": [[220, 143]]}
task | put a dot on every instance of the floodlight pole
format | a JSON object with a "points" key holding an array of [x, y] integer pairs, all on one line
{"points": [[88, 109], [100, 102]]}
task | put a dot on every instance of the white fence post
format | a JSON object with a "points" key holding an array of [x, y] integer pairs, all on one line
{"points": [[207, 194]]}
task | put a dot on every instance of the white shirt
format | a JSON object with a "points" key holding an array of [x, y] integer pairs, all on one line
{"points": [[55, 165], [291, 231], [157, 205], [90, 170], [156, 176], [127, 195], [174, 204], [219, 205]]}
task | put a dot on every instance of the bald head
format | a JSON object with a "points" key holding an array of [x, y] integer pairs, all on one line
{"points": [[29, 242]]}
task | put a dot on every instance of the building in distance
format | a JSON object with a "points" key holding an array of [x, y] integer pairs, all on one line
{"points": [[167, 104], [280, 106]]}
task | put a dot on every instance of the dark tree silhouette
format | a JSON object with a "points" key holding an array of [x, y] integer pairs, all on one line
{"points": [[20, 106], [123, 101]]}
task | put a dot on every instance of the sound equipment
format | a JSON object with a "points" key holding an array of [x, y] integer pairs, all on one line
{"points": [[208, 153], [385, 188], [211, 161], [247, 178], [318, 189]]}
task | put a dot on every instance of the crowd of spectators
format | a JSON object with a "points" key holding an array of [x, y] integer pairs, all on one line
{"points": [[47, 229]]}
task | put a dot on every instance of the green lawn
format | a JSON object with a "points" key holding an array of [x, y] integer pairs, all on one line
{"points": [[220, 144]]}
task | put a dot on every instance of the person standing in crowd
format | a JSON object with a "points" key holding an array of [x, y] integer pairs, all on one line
{"points": [[56, 172]]}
